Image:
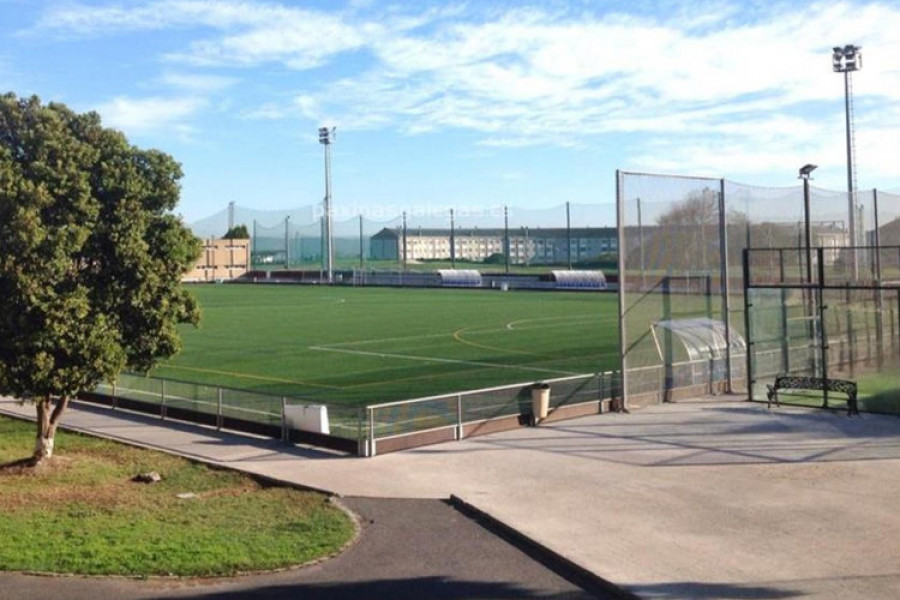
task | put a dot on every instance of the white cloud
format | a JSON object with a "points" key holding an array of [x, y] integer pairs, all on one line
{"points": [[150, 115], [199, 83], [731, 86]]}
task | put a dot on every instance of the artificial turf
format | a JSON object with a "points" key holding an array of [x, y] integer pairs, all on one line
{"points": [[361, 345]]}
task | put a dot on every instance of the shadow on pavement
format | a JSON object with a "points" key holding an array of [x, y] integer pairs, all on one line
{"points": [[417, 588], [712, 591]]}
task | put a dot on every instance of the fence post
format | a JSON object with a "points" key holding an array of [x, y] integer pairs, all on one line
{"points": [[361, 449], [748, 330], [820, 297], [459, 423], [284, 427], [162, 409], [372, 448], [218, 408], [115, 403], [600, 392], [725, 286]]}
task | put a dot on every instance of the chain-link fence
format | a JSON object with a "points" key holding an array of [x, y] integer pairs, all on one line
{"points": [[680, 249], [836, 326]]}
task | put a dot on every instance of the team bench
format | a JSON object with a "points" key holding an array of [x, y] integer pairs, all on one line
{"points": [[801, 382]]}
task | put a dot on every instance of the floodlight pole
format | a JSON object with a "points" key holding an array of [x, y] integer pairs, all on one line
{"points": [[452, 240], [506, 236], [846, 60], [405, 241], [287, 242], [568, 238], [362, 250], [326, 138]]}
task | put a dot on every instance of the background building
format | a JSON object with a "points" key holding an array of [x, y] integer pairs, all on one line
{"points": [[526, 246], [221, 259]]}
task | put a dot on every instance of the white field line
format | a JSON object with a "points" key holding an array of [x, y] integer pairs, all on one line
{"points": [[544, 322], [511, 326], [440, 360]]}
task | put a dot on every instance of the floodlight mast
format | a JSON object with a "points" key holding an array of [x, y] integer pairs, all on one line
{"points": [[326, 138], [846, 60]]}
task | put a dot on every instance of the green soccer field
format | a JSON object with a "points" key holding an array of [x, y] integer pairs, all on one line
{"points": [[368, 345]]}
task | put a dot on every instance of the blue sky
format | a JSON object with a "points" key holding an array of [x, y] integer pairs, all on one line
{"points": [[467, 104]]}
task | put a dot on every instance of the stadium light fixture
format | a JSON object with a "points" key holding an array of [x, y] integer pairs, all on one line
{"points": [[846, 60], [326, 138]]}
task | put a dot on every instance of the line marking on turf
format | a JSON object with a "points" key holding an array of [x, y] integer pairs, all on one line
{"points": [[590, 319], [457, 335], [257, 377], [508, 326], [441, 360], [381, 340]]}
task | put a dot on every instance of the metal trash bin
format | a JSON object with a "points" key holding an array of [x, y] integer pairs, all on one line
{"points": [[540, 401]]}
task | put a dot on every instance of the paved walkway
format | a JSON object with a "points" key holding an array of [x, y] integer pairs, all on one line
{"points": [[409, 550], [692, 500]]}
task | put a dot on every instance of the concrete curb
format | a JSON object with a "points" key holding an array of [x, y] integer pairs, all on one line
{"points": [[562, 566]]}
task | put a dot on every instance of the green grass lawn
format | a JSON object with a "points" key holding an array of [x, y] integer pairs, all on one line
{"points": [[81, 513], [367, 345]]}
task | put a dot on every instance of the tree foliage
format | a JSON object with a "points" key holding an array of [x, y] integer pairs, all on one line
{"points": [[688, 233], [91, 256], [700, 207], [238, 232]]}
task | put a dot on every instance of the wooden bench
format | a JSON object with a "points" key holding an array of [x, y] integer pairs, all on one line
{"points": [[801, 382]]}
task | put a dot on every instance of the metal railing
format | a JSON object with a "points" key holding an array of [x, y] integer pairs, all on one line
{"points": [[352, 429], [456, 413]]}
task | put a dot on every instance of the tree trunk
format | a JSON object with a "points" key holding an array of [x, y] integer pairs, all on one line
{"points": [[48, 417]]}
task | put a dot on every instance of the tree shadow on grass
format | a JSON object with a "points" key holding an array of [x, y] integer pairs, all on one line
{"points": [[18, 466]]}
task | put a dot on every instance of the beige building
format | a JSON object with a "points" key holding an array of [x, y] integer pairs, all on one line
{"points": [[534, 246], [221, 260]]}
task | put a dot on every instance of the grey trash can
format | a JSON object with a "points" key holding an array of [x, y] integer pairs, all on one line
{"points": [[540, 401]]}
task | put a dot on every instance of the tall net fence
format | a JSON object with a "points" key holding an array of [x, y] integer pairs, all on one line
{"points": [[672, 273], [680, 272], [294, 245], [568, 234]]}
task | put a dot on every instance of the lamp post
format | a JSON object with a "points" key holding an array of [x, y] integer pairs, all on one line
{"points": [[326, 138], [506, 236], [805, 172], [452, 240], [405, 241], [846, 60], [568, 239]]}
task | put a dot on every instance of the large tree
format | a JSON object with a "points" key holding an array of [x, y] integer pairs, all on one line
{"points": [[91, 257]]}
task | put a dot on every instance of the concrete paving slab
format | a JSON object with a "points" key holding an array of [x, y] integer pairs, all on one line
{"points": [[688, 500]]}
